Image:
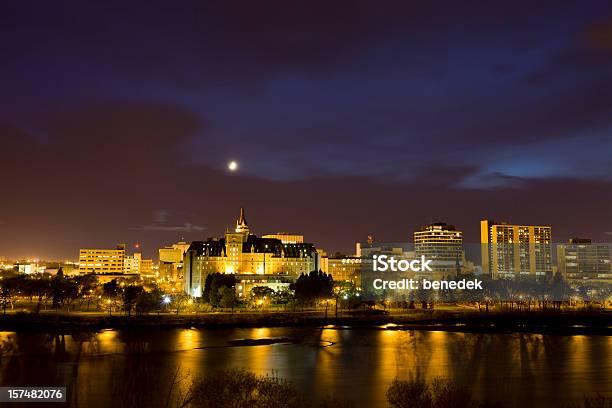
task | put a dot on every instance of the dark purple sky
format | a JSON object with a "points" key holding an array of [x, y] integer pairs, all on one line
{"points": [[118, 119]]}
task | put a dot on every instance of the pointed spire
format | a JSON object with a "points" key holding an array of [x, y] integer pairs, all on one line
{"points": [[241, 223], [242, 218]]}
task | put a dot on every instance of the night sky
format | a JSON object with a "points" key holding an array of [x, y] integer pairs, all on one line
{"points": [[118, 120]]}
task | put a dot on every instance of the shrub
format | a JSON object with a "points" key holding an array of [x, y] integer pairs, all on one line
{"points": [[438, 394], [241, 388]]}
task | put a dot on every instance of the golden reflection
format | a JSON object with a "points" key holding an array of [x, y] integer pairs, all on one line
{"points": [[329, 336], [259, 357], [108, 342], [392, 356], [189, 339], [7, 345], [328, 351], [578, 357], [4, 335], [411, 355], [438, 364], [189, 359], [261, 332], [529, 351]]}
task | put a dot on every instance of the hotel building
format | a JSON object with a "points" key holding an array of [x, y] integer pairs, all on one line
{"points": [[249, 257], [582, 260], [443, 244], [510, 251]]}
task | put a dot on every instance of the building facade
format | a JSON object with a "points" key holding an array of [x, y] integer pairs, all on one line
{"points": [[582, 260], [443, 245], [102, 261], [344, 269], [131, 263], [510, 251], [171, 261], [146, 267], [247, 256], [286, 238]]}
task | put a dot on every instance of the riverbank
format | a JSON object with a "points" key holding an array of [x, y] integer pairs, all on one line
{"points": [[550, 322]]}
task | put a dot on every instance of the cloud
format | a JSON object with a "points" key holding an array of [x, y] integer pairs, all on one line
{"points": [[187, 227], [160, 224], [161, 216]]}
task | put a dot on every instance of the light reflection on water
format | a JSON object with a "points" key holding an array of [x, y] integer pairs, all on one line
{"points": [[356, 364]]}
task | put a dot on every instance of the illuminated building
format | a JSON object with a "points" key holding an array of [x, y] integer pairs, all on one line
{"points": [[509, 251], [344, 269], [30, 267], [286, 238], [443, 245], [102, 261], [146, 267], [581, 260], [171, 261], [244, 287], [131, 263], [134, 264], [247, 256]]}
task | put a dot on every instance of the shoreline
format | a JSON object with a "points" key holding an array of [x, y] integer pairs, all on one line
{"points": [[562, 323]]}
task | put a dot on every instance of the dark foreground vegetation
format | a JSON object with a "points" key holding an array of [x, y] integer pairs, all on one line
{"points": [[242, 388]]}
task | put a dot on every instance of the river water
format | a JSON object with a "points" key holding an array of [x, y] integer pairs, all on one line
{"points": [[356, 364]]}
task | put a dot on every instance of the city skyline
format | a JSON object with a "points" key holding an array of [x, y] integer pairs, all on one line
{"points": [[340, 119], [306, 203], [137, 247]]}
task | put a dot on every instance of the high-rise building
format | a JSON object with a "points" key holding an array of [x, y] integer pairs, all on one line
{"points": [[443, 245], [581, 260], [247, 256], [102, 261], [510, 251]]}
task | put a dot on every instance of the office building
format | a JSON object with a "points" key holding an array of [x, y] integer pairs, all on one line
{"points": [[582, 260], [102, 261]]}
